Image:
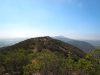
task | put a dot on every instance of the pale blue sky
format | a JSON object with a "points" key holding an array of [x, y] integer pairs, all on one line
{"points": [[77, 19]]}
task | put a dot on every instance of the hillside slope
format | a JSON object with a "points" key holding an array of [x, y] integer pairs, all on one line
{"points": [[47, 44], [85, 46], [82, 45]]}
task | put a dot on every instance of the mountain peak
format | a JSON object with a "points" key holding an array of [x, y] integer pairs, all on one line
{"points": [[47, 44]]}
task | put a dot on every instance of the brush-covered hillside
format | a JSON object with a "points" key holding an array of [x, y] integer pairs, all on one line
{"points": [[47, 56], [85, 46], [47, 44]]}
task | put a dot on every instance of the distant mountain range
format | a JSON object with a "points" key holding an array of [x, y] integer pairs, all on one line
{"points": [[85, 46], [47, 44], [96, 43]]}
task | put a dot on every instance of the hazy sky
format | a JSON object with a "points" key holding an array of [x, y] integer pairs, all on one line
{"points": [[78, 19]]}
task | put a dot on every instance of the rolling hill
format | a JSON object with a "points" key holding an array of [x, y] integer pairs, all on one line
{"points": [[85, 46], [47, 44]]}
